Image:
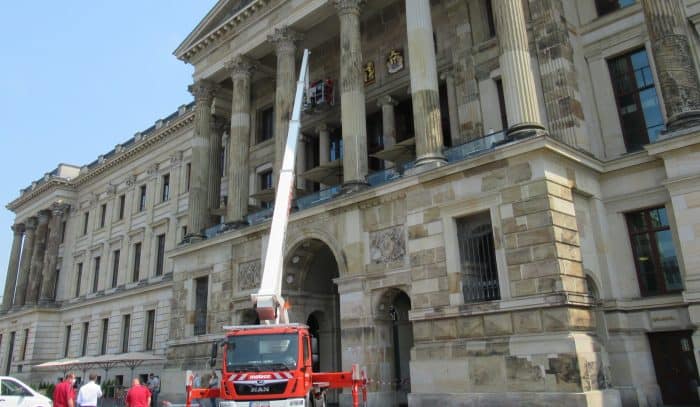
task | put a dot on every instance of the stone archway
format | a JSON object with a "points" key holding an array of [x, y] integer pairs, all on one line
{"points": [[396, 332], [308, 285]]}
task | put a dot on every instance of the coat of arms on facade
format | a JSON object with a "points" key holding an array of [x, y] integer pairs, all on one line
{"points": [[394, 62], [370, 73], [249, 275], [388, 245]]}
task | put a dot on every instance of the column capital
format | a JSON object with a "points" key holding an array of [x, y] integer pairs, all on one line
{"points": [[18, 229], [241, 66], [349, 6], [30, 224], [322, 127], [44, 216], [202, 90], [58, 209], [285, 39], [386, 100], [448, 74]]}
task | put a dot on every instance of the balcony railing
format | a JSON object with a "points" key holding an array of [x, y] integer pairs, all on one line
{"points": [[455, 154]]}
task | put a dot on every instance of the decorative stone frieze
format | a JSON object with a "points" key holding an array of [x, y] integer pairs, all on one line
{"points": [[249, 275]]}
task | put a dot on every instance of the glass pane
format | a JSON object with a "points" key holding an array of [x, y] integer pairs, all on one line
{"points": [[625, 3], [637, 221], [668, 261], [647, 270], [639, 59], [652, 110], [658, 218]]}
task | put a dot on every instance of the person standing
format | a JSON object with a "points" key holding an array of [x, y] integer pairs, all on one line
{"points": [[154, 387], [213, 384], [89, 393], [138, 395], [63, 393]]}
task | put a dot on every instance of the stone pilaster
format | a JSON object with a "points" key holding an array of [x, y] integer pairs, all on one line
{"points": [[37, 258], [387, 104], [468, 115], [452, 106], [324, 143], [12, 266], [518, 81], [301, 163], [198, 203], [555, 53], [352, 95], [424, 83], [25, 262], [48, 283], [240, 69], [677, 74], [284, 40]]}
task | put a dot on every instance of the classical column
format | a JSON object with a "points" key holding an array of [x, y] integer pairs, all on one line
{"points": [[352, 95], [49, 274], [424, 83], [25, 262], [37, 258], [285, 41], [555, 54], [216, 129], [11, 278], [198, 202], [518, 81], [678, 77], [301, 163], [240, 68], [452, 106]]}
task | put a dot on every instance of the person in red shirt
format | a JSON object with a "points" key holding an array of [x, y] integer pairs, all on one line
{"points": [[63, 393], [138, 395]]}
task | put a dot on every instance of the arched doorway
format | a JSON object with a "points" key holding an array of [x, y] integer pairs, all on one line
{"points": [[310, 268], [393, 324]]}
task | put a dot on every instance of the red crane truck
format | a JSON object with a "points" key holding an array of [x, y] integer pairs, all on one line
{"points": [[270, 365]]}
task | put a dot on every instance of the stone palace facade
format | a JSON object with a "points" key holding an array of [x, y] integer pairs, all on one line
{"points": [[497, 202]]}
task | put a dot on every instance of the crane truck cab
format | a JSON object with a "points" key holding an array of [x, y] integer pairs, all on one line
{"points": [[268, 366]]}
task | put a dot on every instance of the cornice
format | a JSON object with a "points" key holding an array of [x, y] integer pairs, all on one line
{"points": [[122, 155], [225, 30]]}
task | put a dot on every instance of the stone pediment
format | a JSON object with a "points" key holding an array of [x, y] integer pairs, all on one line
{"points": [[216, 23]]}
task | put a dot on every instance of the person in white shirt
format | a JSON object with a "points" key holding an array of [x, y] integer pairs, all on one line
{"points": [[89, 393]]}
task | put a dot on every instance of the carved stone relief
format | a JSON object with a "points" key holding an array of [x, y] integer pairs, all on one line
{"points": [[249, 275], [388, 245]]}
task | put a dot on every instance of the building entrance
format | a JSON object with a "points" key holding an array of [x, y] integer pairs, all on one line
{"points": [[674, 362]]}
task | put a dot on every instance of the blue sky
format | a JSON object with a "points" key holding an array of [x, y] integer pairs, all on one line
{"points": [[77, 77]]}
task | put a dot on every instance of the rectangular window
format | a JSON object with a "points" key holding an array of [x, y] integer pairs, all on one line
{"points": [[160, 254], [502, 104], [11, 350], [24, 345], [637, 103], [184, 231], [150, 328], [200, 307], [103, 338], [654, 252], [103, 215], [478, 258], [265, 184], [137, 262], [79, 278], [66, 346], [126, 326], [142, 198], [266, 124], [83, 343], [122, 204], [165, 193], [96, 275], [188, 174], [86, 218], [63, 231], [55, 285], [115, 267], [608, 6]]}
